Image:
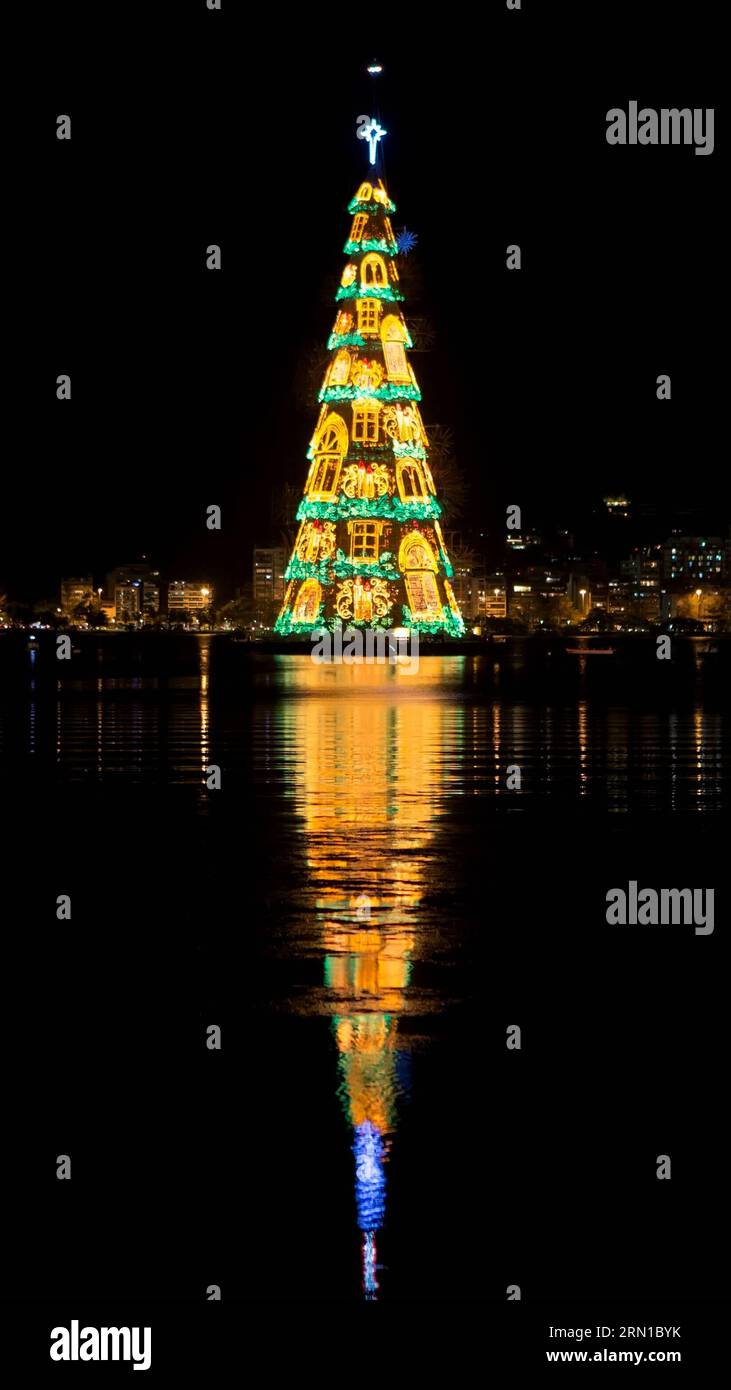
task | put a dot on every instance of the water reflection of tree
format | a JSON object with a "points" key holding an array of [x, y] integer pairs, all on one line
{"points": [[369, 789]]}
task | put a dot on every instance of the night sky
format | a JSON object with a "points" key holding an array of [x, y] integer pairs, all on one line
{"points": [[191, 128]]}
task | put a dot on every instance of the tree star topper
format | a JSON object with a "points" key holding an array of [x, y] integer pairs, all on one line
{"points": [[370, 130]]}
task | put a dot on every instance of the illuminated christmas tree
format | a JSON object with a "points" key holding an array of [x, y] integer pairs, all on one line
{"points": [[370, 550]]}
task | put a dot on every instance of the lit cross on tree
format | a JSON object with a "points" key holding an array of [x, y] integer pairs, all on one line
{"points": [[372, 132]]}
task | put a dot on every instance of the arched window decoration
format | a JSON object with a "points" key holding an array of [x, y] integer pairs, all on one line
{"points": [[369, 316], [348, 276], [365, 422], [365, 193], [415, 553], [325, 477], [410, 479], [307, 602], [423, 596], [340, 369], [331, 444], [393, 336], [418, 564], [332, 436], [393, 329], [373, 270], [360, 222]]}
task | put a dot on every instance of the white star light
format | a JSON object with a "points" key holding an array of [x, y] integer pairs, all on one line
{"points": [[373, 132]]}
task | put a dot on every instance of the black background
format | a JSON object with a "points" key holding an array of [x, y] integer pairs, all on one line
{"points": [[192, 127]]}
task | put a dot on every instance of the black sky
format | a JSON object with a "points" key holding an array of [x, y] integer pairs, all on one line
{"points": [[191, 127]]}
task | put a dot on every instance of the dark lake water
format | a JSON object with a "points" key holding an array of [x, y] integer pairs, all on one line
{"points": [[363, 907]]}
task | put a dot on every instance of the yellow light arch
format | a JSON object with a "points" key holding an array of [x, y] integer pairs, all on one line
{"points": [[330, 448], [410, 479], [373, 270], [307, 602], [415, 553]]}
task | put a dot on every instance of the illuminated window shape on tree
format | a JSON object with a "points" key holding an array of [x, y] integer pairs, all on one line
{"points": [[365, 422], [373, 270], [379, 193], [365, 540], [369, 316], [410, 480], [393, 336], [423, 596], [415, 553], [365, 193], [365, 480], [418, 564], [360, 222], [340, 369], [391, 239], [331, 445], [307, 602], [348, 276]]}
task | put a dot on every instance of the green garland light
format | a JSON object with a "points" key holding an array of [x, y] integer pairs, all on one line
{"points": [[372, 569], [408, 451], [386, 208], [341, 340], [341, 569], [390, 391], [285, 624], [355, 248], [361, 508], [356, 291], [308, 569], [454, 626]]}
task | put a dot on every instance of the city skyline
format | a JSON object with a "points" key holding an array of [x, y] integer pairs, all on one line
{"points": [[532, 578]]}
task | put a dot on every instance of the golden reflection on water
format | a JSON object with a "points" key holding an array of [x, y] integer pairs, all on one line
{"points": [[368, 784], [204, 658]]}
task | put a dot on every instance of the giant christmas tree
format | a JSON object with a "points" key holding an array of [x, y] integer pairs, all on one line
{"points": [[370, 550]]}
